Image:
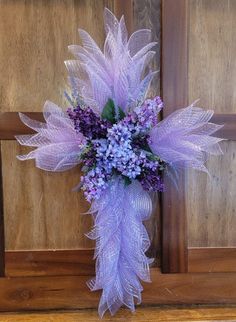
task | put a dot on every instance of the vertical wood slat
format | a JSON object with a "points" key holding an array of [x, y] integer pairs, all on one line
{"points": [[175, 95], [36, 219], [211, 201], [2, 237], [125, 8], [146, 14], [119, 7]]}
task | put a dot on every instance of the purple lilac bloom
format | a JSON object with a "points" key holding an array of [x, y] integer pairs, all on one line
{"points": [[117, 152], [120, 154], [121, 148], [88, 123], [89, 157], [147, 113], [94, 182], [151, 181]]}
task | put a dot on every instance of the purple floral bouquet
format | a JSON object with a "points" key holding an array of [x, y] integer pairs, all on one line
{"points": [[113, 131]]}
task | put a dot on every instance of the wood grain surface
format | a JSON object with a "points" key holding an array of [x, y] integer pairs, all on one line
{"points": [[40, 222], [40, 210], [212, 49], [211, 259], [71, 292], [174, 92], [2, 234], [34, 37], [211, 200], [39, 59], [10, 124], [228, 131], [144, 314], [54, 263], [146, 14]]}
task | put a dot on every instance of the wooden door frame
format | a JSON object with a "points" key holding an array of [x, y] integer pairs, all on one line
{"points": [[174, 90], [69, 290], [176, 256]]}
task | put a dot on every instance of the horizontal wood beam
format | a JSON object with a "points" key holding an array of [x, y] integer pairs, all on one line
{"points": [[212, 259], [71, 292], [45, 263], [11, 125], [229, 121]]}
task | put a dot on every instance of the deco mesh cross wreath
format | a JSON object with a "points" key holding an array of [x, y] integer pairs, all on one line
{"points": [[113, 130]]}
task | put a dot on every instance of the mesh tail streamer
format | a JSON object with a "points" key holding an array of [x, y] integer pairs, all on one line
{"points": [[121, 243]]}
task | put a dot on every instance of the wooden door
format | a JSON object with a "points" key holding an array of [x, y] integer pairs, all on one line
{"points": [[45, 258], [199, 63]]}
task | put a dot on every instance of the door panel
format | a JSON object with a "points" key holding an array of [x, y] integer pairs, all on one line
{"points": [[212, 51], [210, 205], [40, 211], [199, 62], [27, 285], [147, 14], [43, 219], [211, 201], [34, 39]]}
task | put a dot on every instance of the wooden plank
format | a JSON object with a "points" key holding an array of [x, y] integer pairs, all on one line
{"points": [[212, 259], [44, 263], [124, 8], [212, 50], [41, 212], [71, 292], [175, 94], [211, 200], [31, 59], [142, 314], [147, 14], [45, 214], [11, 125], [2, 235], [228, 132]]}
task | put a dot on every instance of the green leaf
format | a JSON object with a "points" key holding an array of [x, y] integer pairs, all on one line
{"points": [[121, 113], [147, 148], [127, 180], [109, 112]]}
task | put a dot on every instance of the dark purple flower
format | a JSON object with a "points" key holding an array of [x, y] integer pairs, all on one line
{"points": [[88, 123], [151, 181]]}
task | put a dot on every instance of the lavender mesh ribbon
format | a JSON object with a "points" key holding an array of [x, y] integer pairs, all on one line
{"points": [[183, 139], [117, 72], [121, 243], [58, 146]]}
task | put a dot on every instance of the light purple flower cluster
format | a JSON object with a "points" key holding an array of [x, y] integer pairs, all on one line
{"points": [[94, 182], [119, 149], [147, 113]]}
